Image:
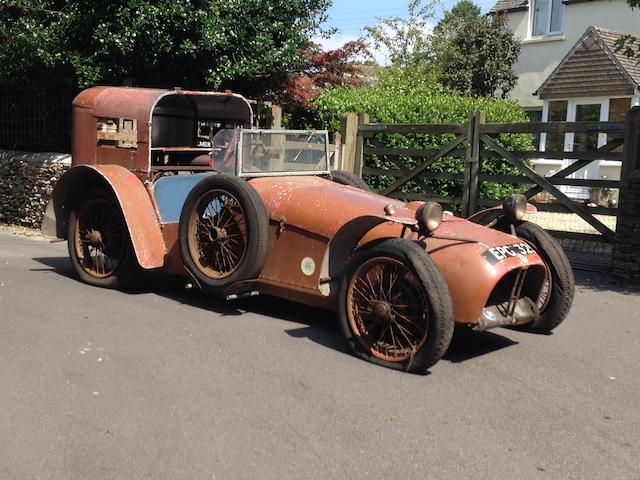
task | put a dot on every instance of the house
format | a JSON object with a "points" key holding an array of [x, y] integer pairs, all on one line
{"points": [[591, 83], [569, 70], [548, 29]]}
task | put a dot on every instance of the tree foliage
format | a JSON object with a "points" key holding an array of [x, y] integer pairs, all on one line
{"points": [[404, 39], [249, 45], [463, 11], [322, 69], [414, 96], [475, 53], [629, 45]]}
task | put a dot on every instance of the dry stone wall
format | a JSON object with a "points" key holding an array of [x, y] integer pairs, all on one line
{"points": [[626, 252], [26, 182]]}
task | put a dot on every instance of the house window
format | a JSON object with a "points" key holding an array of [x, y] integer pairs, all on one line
{"points": [[547, 17], [618, 109], [582, 141], [557, 113], [535, 116]]}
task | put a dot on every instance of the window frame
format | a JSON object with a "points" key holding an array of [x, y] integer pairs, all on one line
{"points": [[548, 32]]}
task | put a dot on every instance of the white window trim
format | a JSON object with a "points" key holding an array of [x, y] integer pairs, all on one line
{"points": [[591, 170], [572, 103], [548, 33]]}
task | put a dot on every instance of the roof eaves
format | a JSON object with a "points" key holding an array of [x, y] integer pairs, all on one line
{"points": [[604, 48]]}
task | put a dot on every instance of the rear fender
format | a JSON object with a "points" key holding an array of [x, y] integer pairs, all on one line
{"points": [[485, 217], [343, 243], [132, 196]]}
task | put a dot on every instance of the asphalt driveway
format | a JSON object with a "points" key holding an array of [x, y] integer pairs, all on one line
{"points": [[165, 383]]}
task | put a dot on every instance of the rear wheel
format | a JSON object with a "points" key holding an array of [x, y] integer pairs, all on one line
{"points": [[395, 308], [99, 246]]}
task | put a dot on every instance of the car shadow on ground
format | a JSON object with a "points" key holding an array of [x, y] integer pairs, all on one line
{"points": [[467, 344], [319, 326]]}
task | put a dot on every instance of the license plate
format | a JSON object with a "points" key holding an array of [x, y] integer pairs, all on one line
{"points": [[497, 254]]}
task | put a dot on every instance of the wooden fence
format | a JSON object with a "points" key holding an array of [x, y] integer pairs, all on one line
{"points": [[475, 142]]}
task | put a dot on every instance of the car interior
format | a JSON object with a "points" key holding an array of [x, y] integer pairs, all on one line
{"points": [[190, 132]]}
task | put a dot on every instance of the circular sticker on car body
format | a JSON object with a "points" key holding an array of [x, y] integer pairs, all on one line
{"points": [[308, 266]]}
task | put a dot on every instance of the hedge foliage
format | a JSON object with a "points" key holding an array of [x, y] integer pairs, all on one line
{"points": [[403, 96]]}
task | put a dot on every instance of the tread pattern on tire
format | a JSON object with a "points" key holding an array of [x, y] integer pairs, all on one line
{"points": [[563, 281]]}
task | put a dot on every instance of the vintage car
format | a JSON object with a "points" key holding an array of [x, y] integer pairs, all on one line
{"points": [[179, 181]]}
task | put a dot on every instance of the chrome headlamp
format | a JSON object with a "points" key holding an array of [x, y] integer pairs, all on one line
{"points": [[429, 217], [514, 207]]}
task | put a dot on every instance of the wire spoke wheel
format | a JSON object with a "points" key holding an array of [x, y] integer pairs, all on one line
{"points": [[545, 293], [388, 309], [217, 234], [99, 238]]}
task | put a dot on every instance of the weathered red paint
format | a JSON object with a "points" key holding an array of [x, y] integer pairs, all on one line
{"points": [[305, 213], [122, 102], [139, 213], [313, 209], [112, 102], [136, 205]]}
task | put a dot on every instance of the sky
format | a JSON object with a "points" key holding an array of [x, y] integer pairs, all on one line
{"points": [[350, 16]]}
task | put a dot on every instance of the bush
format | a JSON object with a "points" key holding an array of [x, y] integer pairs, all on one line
{"points": [[413, 96]]}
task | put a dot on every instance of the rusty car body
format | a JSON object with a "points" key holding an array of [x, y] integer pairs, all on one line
{"points": [[180, 181]]}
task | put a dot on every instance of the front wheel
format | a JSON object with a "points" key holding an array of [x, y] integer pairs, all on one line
{"points": [[558, 290], [395, 308]]}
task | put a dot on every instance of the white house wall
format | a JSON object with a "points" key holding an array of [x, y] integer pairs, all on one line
{"points": [[540, 56]]}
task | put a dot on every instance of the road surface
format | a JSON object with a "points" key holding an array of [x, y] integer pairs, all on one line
{"points": [[164, 383]]}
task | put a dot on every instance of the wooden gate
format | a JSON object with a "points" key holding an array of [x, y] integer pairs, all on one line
{"points": [[475, 142]]}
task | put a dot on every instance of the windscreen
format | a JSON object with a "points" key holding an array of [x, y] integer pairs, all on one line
{"points": [[284, 152], [223, 150]]}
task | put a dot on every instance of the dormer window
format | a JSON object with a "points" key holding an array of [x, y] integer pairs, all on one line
{"points": [[547, 17]]}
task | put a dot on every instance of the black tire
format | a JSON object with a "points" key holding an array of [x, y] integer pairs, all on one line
{"points": [[562, 285], [416, 273], [348, 178], [244, 233], [109, 260]]}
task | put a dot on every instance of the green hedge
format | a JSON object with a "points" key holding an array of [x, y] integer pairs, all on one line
{"points": [[399, 97]]}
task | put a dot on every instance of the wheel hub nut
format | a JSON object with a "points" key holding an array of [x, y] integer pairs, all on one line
{"points": [[217, 233], [382, 310], [94, 237]]}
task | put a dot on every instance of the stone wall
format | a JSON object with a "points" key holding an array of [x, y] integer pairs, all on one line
{"points": [[26, 182], [626, 252]]}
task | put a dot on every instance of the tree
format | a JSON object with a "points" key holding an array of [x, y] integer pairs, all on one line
{"points": [[475, 53], [323, 69], [248, 45], [629, 45], [404, 39], [463, 11]]}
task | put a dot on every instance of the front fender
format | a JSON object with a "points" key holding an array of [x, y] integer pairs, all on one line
{"points": [[484, 217], [345, 240], [133, 198]]}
